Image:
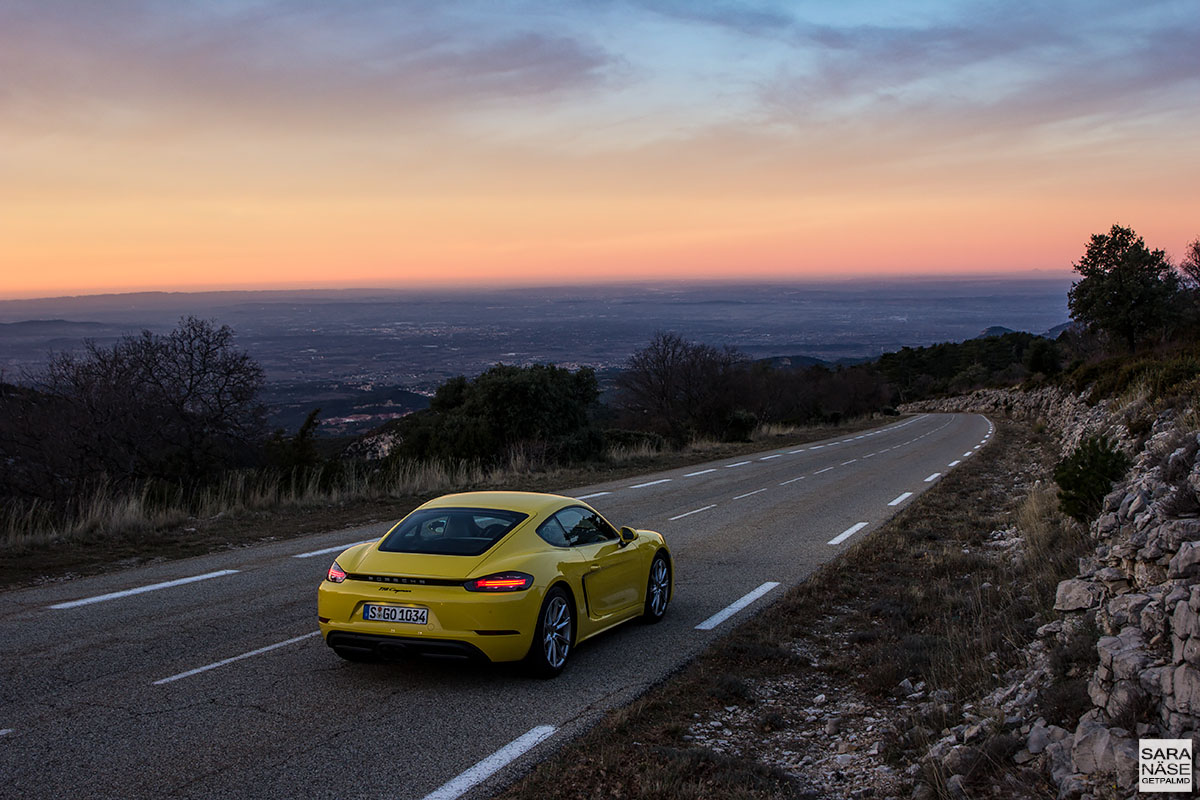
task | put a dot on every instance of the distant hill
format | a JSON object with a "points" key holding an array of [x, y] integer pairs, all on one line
{"points": [[1058, 330], [995, 330]]}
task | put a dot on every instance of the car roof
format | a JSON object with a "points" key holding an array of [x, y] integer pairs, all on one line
{"points": [[525, 502]]}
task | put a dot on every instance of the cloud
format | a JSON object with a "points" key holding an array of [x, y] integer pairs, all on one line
{"points": [[144, 63], [1015, 71]]}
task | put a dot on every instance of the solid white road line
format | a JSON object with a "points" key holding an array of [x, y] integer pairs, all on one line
{"points": [[650, 483], [730, 610], [768, 458], [457, 787], [223, 662], [139, 590], [818, 472], [900, 499], [689, 513], [738, 464], [590, 496], [339, 548], [701, 472], [846, 534], [954, 463], [793, 480], [933, 477], [747, 494]]}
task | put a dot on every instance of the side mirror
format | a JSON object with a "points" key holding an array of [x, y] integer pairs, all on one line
{"points": [[628, 535]]}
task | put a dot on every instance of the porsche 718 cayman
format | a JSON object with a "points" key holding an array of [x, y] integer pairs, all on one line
{"points": [[502, 575]]}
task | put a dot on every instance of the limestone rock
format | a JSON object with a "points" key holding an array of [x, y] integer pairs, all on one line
{"points": [[1077, 595], [1185, 563], [1096, 748], [1186, 689]]}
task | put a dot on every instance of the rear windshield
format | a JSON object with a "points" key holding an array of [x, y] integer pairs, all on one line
{"points": [[451, 531]]}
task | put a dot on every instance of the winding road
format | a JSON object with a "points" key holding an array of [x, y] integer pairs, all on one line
{"points": [[205, 677]]}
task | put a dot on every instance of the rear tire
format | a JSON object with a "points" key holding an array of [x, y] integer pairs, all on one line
{"points": [[553, 636], [658, 590]]}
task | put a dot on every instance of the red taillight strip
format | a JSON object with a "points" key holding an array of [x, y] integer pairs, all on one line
{"points": [[503, 582], [499, 583]]}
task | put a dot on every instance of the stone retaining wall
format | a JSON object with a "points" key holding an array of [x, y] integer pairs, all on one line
{"points": [[1141, 587]]}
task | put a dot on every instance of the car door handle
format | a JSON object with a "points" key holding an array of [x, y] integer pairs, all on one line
{"points": [[594, 567]]}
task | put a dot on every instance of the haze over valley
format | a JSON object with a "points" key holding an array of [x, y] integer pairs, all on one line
{"points": [[366, 355]]}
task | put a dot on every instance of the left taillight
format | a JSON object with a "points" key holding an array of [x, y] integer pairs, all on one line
{"points": [[500, 582], [336, 574]]}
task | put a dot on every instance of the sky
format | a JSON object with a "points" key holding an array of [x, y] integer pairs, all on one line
{"points": [[230, 144]]}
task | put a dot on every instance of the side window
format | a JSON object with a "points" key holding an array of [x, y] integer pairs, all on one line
{"points": [[582, 526], [553, 533]]}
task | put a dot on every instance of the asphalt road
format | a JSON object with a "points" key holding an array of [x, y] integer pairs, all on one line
{"points": [[219, 687]]}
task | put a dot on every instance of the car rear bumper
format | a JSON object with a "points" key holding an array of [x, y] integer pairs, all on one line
{"points": [[402, 646], [464, 624]]}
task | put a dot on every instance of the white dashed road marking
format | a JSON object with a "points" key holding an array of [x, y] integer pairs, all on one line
{"points": [[733, 608], [338, 548], [223, 662], [818, 472], [650, 483], [900, 499], [590, 496], [846, 534], [747, 494], [689, 513], [738, 464], [518, 747], [793, 480], [701, 472], [154, 587], [933, 477]]}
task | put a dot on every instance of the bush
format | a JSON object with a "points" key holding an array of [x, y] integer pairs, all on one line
{"points": [[1087, 475], [540, 409], [740, 425]]}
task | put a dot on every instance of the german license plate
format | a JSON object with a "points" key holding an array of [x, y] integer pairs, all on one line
{"points": [[412, 615]]}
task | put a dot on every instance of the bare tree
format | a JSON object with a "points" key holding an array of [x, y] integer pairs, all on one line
{"points": [[178, 406], [677, 387]]}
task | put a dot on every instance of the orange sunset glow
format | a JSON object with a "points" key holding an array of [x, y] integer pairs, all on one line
{"points": [[285, 144]]}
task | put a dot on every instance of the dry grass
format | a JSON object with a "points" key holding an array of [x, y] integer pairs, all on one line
{"points": [[110, 512], [624, 454], [38, 542], [770, 430]]}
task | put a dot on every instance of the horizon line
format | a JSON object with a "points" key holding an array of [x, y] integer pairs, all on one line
{"points": [[458, 288]]}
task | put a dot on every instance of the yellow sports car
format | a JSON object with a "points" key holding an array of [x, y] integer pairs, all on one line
{"points": [[503, 575]]}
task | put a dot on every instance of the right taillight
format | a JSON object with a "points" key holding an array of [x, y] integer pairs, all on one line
{"points": [[500, 582]]}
